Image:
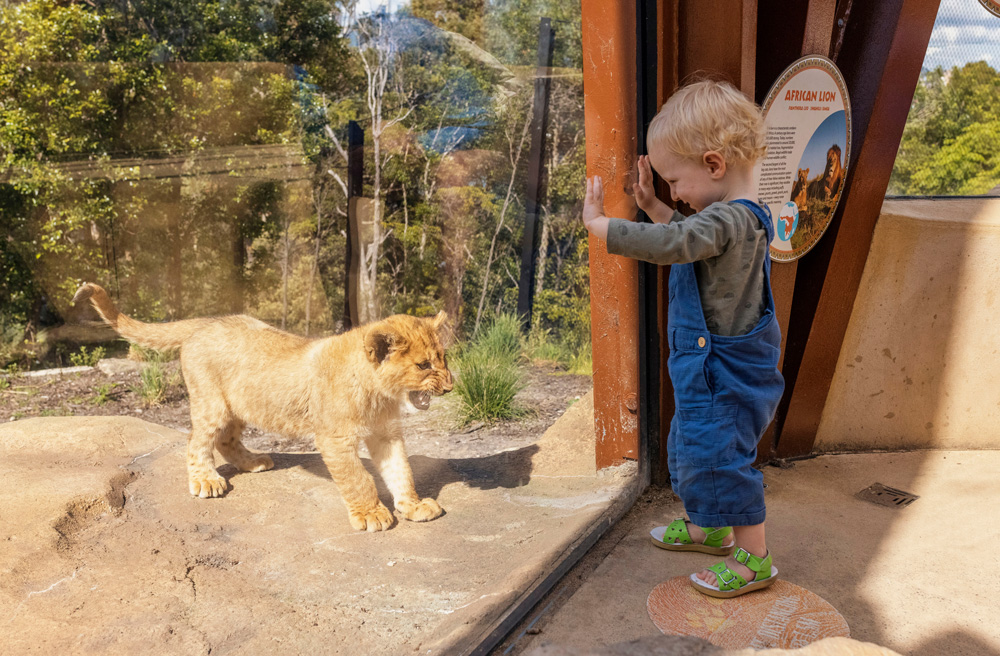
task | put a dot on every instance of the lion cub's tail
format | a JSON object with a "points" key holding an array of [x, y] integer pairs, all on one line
{"points": [[159, 336]]}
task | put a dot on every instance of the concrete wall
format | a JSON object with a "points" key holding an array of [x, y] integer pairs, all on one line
{"points": [[920, 363]]}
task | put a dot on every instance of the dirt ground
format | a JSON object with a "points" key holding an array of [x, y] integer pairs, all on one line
{"points": [[548, 392]]}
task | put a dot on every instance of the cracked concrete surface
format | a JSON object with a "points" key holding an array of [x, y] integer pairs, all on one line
{"points": [[102, 549]]}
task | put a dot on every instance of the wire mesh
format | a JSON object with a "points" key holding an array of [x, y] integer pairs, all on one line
{"points": [[951, 142]]}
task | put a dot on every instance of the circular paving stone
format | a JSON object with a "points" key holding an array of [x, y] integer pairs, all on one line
{"points": [[782, 616]]}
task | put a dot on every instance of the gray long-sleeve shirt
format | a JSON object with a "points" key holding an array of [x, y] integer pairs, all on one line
{"points": [[728, 246]]}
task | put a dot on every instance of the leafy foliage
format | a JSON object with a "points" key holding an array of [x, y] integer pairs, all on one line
{"points": [[85, 359], [104, 393], [951, 142], [138, 145]]}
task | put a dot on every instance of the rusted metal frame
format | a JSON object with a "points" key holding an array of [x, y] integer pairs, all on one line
{"points": [[536, 172], [685, 50], [715, 38], [786, 32], [609, 86], [882, 51]]}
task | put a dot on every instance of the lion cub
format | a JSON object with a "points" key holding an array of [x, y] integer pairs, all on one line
{"points": [[340, 389]]}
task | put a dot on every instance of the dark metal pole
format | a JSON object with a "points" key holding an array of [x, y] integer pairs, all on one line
{"points": [[539, 124], [355, 171], [649, 342]]}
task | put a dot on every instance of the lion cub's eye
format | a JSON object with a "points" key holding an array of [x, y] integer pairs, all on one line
{"points": [[424, 365]]}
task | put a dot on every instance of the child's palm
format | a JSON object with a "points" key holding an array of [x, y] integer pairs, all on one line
{"points": [[645, 195], [593, 201]]}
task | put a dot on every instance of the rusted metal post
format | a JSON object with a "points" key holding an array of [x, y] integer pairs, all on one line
{"points": [[880, 58], [787, 32], [539, 125], [609, 85]]}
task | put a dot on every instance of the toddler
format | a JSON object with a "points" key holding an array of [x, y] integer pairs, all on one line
{"points": [[723, 336]]}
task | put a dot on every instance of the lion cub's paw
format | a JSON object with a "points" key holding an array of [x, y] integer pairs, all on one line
{"points": [[421, 511], [376, 519], [207, 486], [259, 463]]}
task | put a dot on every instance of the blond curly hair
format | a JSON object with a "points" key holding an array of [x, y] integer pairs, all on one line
{"points": [[709, 115]]}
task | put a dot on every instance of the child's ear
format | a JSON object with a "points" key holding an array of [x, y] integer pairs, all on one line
{"points": [[715, 163]]}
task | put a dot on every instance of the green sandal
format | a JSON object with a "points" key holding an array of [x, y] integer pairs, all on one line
{"points": [[675, 537], [731, 584]]}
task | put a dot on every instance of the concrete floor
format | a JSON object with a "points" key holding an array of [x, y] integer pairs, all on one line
{"points": [[918, 579], [103, 551]]}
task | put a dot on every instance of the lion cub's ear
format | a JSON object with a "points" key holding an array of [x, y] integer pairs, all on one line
{"points": [[445, 332], [380, 344]]}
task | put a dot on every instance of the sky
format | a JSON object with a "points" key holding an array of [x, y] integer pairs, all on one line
{"points": [[368, 6], [831, 131], [964, 31]]}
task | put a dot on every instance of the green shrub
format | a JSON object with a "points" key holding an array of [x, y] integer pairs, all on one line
{"points": [[503, 337], [486, 385], [542, 348], [11, 340], [84, 359], [104, 393], [582, 362], [152, 385]]}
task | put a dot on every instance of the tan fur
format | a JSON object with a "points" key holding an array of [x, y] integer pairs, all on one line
{"points": [[799, 188], [341, 390]]}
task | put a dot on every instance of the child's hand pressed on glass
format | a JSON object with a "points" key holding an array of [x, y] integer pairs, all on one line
{"points": [[645, 195], [593, 208]]}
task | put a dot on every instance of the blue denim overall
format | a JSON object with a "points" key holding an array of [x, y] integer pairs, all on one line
{"points": [[726, 390]]}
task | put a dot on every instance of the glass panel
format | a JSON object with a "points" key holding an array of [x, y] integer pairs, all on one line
{"points": [[192, 158], [951, 142]]}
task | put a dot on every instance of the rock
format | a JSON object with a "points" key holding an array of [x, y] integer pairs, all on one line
{"points": [[62, 371], [119, 366]]}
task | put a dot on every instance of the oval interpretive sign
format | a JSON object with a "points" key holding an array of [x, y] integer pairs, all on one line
{"points": [[992, 6], [808, 118]]}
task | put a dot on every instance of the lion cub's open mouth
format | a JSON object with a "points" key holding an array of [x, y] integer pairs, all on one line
{"points": [[420, 400]]}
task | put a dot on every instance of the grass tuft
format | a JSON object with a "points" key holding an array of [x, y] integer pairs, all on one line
{"points": [[152, 385], [487, 384], [503, 338], [489, 374]]}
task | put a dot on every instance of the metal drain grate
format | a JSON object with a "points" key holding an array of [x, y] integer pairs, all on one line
{"points": [[884, 495]]}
